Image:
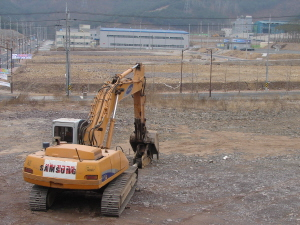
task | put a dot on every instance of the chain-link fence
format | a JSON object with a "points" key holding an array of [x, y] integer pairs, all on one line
{"points": [[164, 71]]}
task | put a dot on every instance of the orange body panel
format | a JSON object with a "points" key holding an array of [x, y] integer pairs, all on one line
{"points": [[68, 172], [74, 151]]}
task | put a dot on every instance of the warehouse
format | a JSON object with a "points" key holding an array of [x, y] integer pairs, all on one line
{"points": [[143, 38], [262, 27]]}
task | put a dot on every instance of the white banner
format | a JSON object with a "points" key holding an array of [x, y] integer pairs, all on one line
{"points": [[3, 76], [2, 83], [59, 169], [21, 56]]}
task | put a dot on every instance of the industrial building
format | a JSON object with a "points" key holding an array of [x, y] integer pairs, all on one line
{"points": [[242, 24], [143, 38], [84, 37], [262, 27]]}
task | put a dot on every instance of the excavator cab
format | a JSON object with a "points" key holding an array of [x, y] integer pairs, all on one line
{"points": [[66, 130]]}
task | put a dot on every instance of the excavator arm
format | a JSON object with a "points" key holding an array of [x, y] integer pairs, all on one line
{"points": [[103, 110], [143, 142]]}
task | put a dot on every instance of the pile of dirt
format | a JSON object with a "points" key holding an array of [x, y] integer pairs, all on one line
{"points": [[255, 55], [289, 46], [242, 54]]}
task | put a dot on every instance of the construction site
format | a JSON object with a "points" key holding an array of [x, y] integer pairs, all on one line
{"points": [[226, 156]]}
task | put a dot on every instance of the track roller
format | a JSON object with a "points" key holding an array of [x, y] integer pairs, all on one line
{"points": [[41, 198], [119, 192]]}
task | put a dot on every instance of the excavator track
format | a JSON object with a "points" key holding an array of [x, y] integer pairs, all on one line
{"points": [[118, 193], [41, 198]]}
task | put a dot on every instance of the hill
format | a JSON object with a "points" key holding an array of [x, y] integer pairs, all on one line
{"points": [[162, 14]]}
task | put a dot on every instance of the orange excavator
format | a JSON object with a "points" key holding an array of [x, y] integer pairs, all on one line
{"points": [[80, 157]]}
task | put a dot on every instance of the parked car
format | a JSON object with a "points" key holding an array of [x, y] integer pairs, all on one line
{"points": [[247, 49]]}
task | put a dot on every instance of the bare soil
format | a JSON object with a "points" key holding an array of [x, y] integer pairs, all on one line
{"points": [[216, 167], [237, 164]]}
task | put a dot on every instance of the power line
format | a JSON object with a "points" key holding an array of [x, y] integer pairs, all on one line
{"points": [[28, 14], [33, 21], [167, 17], [138, 16], [130, 23]]}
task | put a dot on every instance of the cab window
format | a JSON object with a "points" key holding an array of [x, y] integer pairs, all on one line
{"points": [[65, 133]]}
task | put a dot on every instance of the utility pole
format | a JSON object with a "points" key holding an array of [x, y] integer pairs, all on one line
{"points": [[181, 71], [23, 32], [11, 69], [7, 54], [201, 29], [267, 63], [1, 41], [30, 38], [10, 28], [67, 39], [17, 40], [207, 36], [210, 72], [246, 40], [187, 6], [37, 39], [189, 34]]}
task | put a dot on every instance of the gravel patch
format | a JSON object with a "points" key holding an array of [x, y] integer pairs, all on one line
{"points": [[222, 186]]}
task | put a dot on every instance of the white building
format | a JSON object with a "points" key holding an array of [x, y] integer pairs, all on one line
{"points": [[79, 38], [242, 25], [227, 31], [143, 38]]}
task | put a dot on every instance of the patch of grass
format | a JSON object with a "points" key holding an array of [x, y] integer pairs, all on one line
{"points": [[21, 99], [236, 104], [176, 101]]}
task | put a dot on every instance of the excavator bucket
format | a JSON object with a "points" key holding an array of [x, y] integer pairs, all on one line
{"points": [[144, 150]]}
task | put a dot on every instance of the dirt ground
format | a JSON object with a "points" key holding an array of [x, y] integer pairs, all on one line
{"points": [[216, 167], [221, 165]]}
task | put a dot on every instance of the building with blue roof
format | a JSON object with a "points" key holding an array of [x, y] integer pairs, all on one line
{"points": [[262, 27], [143, 38]]}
